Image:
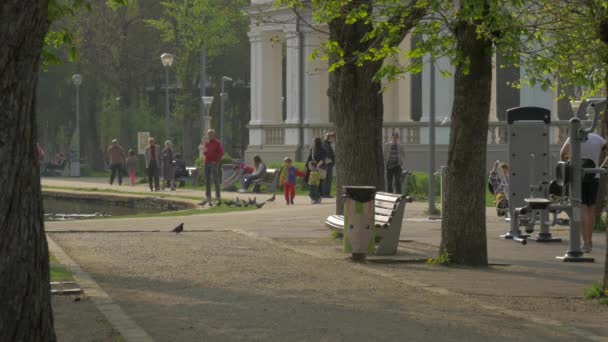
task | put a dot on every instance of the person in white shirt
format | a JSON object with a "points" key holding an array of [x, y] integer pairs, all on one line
{"points": [[592, 149]]}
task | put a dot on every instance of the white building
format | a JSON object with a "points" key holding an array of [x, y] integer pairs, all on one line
{"points": [[289, 103]]}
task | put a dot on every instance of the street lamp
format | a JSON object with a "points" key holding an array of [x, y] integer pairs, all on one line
{"points": [[207, 102], [75, 158], [167, 60], [224, 78]]}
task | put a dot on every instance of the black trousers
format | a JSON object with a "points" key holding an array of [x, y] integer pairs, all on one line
{"points": [[116, 169], [153, 175], [393, 175]]}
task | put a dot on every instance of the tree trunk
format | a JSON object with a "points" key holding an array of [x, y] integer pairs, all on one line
{"points": [[356, 102], [25, 298], [463, 228]]}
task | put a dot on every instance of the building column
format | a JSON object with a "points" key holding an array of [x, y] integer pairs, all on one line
{"points": [[316, 82], [266, 84], [292, 122]]}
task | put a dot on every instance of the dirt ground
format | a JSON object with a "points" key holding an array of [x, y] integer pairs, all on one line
{"points": [[223, 286], [80, 321]]}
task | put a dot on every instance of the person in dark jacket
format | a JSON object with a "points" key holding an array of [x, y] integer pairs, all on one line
{"points": [[330, 160], [168, 166], [181, 172]]}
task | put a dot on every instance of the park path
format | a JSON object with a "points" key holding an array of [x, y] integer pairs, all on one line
{"points": [[224, 286], [124, 254]]}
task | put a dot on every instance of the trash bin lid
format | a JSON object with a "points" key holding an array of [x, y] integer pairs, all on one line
{"points": [[359, 193]]}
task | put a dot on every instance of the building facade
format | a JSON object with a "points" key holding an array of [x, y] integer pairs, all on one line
{"points": [[290, 106]]}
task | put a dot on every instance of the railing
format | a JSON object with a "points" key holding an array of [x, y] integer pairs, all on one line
{"points": [[415, 133], [274, 135], [410, 132]]}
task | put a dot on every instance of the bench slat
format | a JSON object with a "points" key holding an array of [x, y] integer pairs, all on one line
{"points": [[386, 198], [384, 211], [382, 219], [385, 205]]}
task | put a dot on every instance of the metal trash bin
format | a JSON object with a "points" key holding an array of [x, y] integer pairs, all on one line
{"points": [[359, 237]]}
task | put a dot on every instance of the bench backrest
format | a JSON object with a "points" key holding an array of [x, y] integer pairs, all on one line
{"points": [[385, 206], [269, 175]]}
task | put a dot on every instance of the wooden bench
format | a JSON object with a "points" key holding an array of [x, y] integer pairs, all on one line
{"points": [[388, 217], [58, 171], [270, 179]]}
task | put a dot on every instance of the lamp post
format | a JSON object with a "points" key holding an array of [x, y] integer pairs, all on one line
{"points": [[224, 78], [167, 60], [75, 155], [207, 102], [206, 123]]}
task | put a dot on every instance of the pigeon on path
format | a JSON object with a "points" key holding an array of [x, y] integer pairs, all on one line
{"points": [[259, 205], [271, 199], [179, 228], [202, 204]]}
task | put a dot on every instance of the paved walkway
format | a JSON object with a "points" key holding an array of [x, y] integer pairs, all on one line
{"points": [[140, 268]]}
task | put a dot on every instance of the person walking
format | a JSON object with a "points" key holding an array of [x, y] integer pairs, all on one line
{"points": [[152, 155], [168, 165], [288, 178], [317, 153], [132, 166], [330, 160], [213, 152], [116, 157], [591, 149], [394, 160]]}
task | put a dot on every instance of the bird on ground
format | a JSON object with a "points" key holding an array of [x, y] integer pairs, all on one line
{"points": [[255, 200], [237, 202], [271, 199], [259, 205], [202, 204], [228, 202], [179, 228], [219, 203]]}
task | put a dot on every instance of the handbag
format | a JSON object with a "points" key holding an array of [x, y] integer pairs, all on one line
{"points": [[322, 173]]}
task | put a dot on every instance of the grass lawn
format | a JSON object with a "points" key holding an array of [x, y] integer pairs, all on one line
{"points": [[58, 272]]}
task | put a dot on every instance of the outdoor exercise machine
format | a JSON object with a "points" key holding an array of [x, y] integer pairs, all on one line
{"points": [[529, 172], [569, 175]]}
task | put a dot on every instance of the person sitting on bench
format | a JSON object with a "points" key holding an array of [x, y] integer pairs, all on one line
{"points": [[239, 171], [498, 182], [57, 163], [260, 171]]}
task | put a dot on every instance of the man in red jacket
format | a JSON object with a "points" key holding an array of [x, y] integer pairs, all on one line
{"points": [[213, 153]]}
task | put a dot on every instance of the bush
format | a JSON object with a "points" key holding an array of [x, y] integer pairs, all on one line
{"points": [[418, 185], [596, 291], [600, 222]]}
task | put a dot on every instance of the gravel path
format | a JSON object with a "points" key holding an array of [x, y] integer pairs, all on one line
{"points": [[223, 286]]}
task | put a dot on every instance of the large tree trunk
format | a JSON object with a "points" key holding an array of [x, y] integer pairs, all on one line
{"points": [[356, 103], [463, 228], [25, 298]]}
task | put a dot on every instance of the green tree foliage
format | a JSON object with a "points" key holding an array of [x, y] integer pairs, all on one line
{"points": [[186, 26]]}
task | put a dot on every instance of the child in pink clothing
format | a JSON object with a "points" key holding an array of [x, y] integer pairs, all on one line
{"points": [[132, 166]]}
